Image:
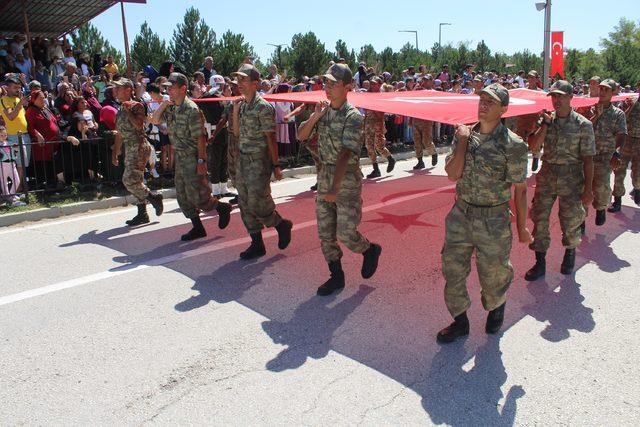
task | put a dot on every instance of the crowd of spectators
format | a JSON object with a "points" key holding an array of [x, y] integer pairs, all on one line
{"points": [[62, 108]]}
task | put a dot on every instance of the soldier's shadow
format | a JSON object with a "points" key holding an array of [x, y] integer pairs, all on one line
{"points": [[599, 250], [309, 332], [93, 237], [157, 255], [463, 389], [562, 308], [228, 283]]}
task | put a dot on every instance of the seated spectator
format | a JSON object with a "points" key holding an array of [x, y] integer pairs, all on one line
{"points": [[111, 67], [89, 94], [83, 157], [81, 110], [24, 65], [84, 68], [56, 69], [43, 76], [71, 77], [68, 57]]}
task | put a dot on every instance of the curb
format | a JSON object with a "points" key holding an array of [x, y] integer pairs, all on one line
{"points": [[169, 193]]}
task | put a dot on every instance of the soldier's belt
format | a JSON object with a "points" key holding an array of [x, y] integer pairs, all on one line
{"points": [[476, 210], [563, 167]]}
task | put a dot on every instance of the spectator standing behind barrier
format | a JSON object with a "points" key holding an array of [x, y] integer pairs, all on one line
{"points": [[12, 111], [8, 171]]}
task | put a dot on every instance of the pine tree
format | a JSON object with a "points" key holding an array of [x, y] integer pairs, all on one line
{"points": [[89, 39], [192, 41], [148, 48], [229, 52], [307, 55]]}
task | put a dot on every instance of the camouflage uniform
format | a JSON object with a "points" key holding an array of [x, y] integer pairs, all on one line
{"points": [[480, 219], [253, 174], [561, 176], [132, 139], [423, 137], [374, 131], [336, 130], [185, 123], [630, 153], [612, 122], [232, 144]]}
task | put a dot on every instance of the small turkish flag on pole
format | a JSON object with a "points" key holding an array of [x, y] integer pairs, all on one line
{"points": [[557, 53]]}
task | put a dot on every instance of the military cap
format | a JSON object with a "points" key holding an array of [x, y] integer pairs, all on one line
{"points": [[124, 82], [497, 92], [339, 72], [177, 79], [561, 87], [533, 73], [610, 83], [247, 70], [376, 79], [595, 78]]}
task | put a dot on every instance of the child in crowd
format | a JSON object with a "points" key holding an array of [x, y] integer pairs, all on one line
{"points": [[8, 171]]}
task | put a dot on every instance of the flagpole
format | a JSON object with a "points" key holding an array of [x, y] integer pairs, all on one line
{"points": [[547, 45]]}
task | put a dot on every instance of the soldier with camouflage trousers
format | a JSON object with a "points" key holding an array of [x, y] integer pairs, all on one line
{"points": [[610, 129], [255, 127], [374, 135], [566, 174], [487, 160], [185, 123], [338, 127], [130, 132], [630, 153]]}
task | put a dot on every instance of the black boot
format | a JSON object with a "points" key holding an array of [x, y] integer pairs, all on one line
{"points": [[534, 164], [636, 197], [335, 282], [495, 319], [434, 159], [583, 228], [459, 328], [141, 218], [616, 205], [156, 202], [601, 217], [370, 261], [539, 268], [196, 232], [375, 173], [224, 214], [314, 187], [419, 165], [568, 262], [256, 249], [284, 233], [391, 163], [234, 200]]}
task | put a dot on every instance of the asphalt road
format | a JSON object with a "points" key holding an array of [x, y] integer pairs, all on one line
{"points": [[105, 325]]}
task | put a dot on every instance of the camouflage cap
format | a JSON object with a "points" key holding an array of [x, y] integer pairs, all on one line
{"points": [[497, 92], [561, 87], [339, 72], [533, 73], [177, 79], [124, 82], [376, 80], [595, 79], [247, 70], [428, 77], [610, 83]]}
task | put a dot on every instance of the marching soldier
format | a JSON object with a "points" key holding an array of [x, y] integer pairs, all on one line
{"points": [[630, 153], [189, 138], [338, 127], [374, 135]]}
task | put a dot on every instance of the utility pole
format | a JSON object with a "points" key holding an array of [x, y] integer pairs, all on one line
{"points": [[279, 50], [547, 41], [440, 34], [412, 31]]}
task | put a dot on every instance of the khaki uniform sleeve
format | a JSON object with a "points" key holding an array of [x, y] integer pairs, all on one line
{"points": [[267, 118], [516, 153], [587, 139], [195, 123], [353, 133], [621, 123]]}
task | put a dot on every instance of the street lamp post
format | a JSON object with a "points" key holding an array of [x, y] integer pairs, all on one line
{"points": [[440, 33], [279, 50], [411, 31], [547, 41]]}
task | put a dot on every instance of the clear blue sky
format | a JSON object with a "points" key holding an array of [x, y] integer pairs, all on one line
{"points": [[505, 25]]}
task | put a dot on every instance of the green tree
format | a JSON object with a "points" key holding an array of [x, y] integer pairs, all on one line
{"points": [[307, 55], [482, 57], [230, 51], [342, 51], [571, 63], [89, 39], [591, 64], [148, 48], [280, 58], [409, 56], [389, 61], [369, 56], [192, 41], [621, 54]]}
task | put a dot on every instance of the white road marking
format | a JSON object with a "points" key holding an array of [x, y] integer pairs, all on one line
{"points": [[118, 271]]}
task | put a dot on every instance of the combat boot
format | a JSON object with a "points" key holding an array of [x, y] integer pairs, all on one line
{"points": [[370, 261], [419, 165], [568, 262], [375, 173], [434, 159], [314, 187], [256, 249], [534, 164], [459, 328], [539, 268], [224, 214], [495, 319], [636, 197], [583, 228], [156, 201], [601, 217], [196, 232], [141, 218], [284, 233], [391, 163], [616, 205], [335, 282]]}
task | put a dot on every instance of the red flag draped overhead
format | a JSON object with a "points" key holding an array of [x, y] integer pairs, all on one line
{"points": [[557, 53]]}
